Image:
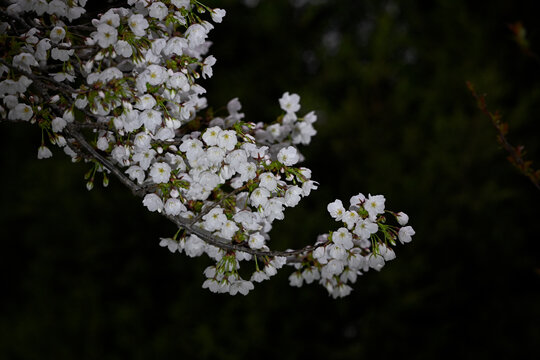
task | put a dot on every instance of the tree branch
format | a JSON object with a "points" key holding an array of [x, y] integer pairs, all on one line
{"points": [[516, 153], [189, 225]]}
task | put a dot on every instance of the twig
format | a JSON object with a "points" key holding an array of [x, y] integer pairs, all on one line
{"points": [[516, 154]]}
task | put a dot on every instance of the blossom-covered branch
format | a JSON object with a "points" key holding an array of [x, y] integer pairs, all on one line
{"points": [[120, 92]]}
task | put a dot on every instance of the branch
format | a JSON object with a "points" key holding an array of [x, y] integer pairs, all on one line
{"points": [[72, 132], [516, 153], [189, 225]]}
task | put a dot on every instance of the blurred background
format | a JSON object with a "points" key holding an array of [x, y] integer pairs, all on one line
{"points": [[82, 274]]}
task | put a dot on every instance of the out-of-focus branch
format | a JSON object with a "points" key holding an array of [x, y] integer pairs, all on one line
{"points": [[516, 154], [520, 37]]}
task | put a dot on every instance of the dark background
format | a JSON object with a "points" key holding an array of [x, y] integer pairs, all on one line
{"points": [[83, 277]]}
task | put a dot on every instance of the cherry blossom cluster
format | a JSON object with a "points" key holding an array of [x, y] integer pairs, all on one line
{"points": [[364, 242], [120, 92]]}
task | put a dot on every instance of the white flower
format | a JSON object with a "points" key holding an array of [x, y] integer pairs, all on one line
{"points": [[136, 173], [138, 24], [211, 135], [402, 218], [268, 181], [145, 102], [61, 76], [365, 227], [259, 276], [386, 252], [110, 18], [75, 12], [41, 49], [248, 219], [24, 60], [207, 66], [165, 133], [233, 107], [57, 7], [259, 197], [171, 244], [356, 261], [192, 148], [156, 75], [58, 124], [160, 172], [174, 207], [270, 269], [215, 219], [240, 286], [182, 4], [194, 246], [376, 261], [320, 254], [44, 152], [256, 241], [144, 158], [102, 143], [290, 103], [334, 267], [357, 200], [275, 131], [228, 229], [343, 238], [29, 36], [341, 290], [57, 34], [288, 156], [153, 202], [62, 55], [273, 209], [296, 279], [109, 74], [151, 119], [142, 140], [196, 35], [293, 196], [208, 180], [60, 140], [106, 35], [217, 15], [175, 45], [211, 284], [405, 234], [350, 218], [310, 274], [10, 101], [336, 210], [22, 84], [374, 205], [178, 81], [158, 10], [227, 139], [348, 275], [123, 48], [20, 112], [248, 171], [158, 45], [236, 158]]}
